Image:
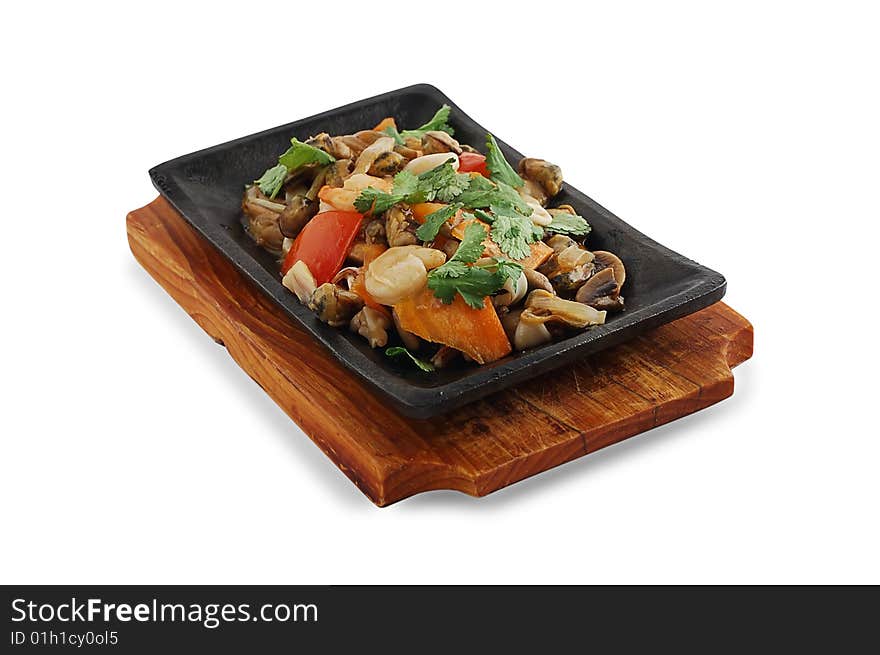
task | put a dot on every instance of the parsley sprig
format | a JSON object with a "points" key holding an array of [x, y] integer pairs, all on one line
{"points": [[298, 155], [473, 282], [397, 351], [568, 224], [499, 169]]}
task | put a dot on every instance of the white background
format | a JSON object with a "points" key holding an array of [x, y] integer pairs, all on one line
{"points": [[134, 449]]}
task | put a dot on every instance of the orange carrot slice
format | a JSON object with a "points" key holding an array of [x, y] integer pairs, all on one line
{"points": [[475, 332]]}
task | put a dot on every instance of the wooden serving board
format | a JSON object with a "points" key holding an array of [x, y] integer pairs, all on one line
{"points": [[675, 370]]}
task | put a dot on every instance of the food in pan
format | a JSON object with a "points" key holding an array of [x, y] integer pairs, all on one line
{"points": [[426, 247]]}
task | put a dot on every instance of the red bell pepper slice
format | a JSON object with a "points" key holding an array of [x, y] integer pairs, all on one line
{"points": [[472, 162], [324, 243]]}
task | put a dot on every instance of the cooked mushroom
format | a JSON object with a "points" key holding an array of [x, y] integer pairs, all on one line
{"points": [[548, 175], [509, 321], [400, 226], [437, 141], [410, 340], [537, 280], [300, 280], [301, 208], [545, 307], [387, 163], [334, 305], [374, 231], [601, 291], [262, 218], [569, 266], [604, 259], [372, 325]]}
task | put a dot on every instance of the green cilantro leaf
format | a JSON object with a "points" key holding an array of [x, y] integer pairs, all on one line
{"points": [[371, 200], [471, 247], [479, 192], [443, 183], [300, 154], [439, 122], [499, 169], [472, 283], [514, 232], [272, 179], [570, 224], [433, 221], [394, 134], [406, 184], [396, 351]]}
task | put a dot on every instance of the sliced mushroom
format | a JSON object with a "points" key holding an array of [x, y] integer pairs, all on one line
{"points": [[548, 175], [400, 226], [334, 305], [568, 267], [387, 163], [300, 280], [601, 291], [537, 280], [301, 208], [371, 324], [509, 321], [409, 340], [374, 231], [438, 141], [605, 259]]}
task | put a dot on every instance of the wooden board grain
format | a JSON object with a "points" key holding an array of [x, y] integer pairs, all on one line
{"points": [[675, 370]]}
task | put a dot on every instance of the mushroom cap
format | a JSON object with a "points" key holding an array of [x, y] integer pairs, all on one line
{"points": [[604, 259], [598, 286]]}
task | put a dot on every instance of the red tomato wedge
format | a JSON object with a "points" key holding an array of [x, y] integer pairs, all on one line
{"points": [[324, 243], [472, 162]]}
